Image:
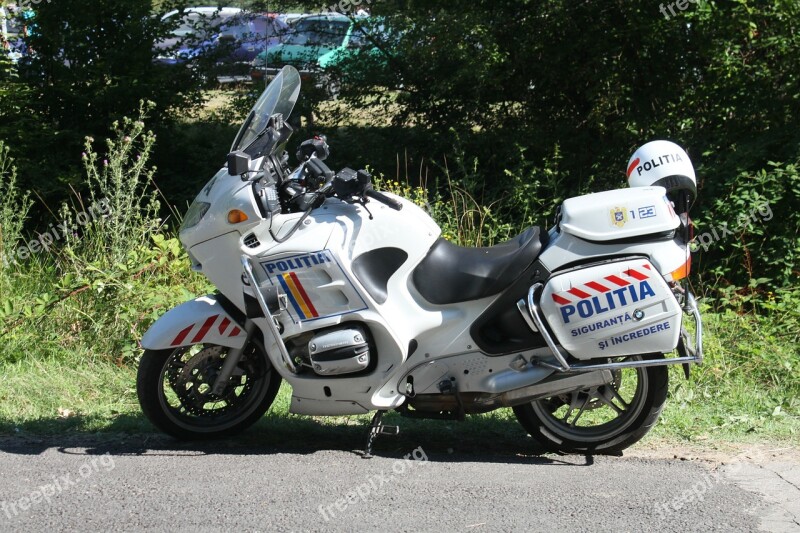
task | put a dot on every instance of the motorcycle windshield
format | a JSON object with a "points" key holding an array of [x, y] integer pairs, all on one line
{"points": [[279, 97]]}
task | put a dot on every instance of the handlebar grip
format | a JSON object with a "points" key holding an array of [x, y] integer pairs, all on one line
{"points": [[382, 198]]}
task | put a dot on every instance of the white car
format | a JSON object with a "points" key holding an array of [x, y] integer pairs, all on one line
{"points": [[191, 19], [193, 14], [291, 18]]}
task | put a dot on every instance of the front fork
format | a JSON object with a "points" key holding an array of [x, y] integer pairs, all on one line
{"points": [[232, 359]]}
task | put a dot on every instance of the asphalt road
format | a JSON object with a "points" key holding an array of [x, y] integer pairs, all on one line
{"points": [[156, 484]]}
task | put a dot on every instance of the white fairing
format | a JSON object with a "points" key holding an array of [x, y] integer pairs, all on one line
{"points": [[197, 321], [612, 309], [619, 214], [315, 270]]}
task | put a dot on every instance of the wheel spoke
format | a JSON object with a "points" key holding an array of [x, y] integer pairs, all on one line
{"points": [[574, 404], [580, 412], [619, 398], [603, 398], [572, 401]]}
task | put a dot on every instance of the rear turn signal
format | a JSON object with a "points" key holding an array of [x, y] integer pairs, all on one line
{"points": [[682, 272], [236, 217]]}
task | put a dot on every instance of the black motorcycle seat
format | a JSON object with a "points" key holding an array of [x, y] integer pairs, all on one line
{"points": [[450, 274]]}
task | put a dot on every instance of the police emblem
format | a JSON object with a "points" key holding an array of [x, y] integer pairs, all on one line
{"points": [[619, 216]]}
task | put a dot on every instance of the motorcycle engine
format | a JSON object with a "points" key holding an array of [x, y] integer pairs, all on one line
{"points": [[339, 351]]}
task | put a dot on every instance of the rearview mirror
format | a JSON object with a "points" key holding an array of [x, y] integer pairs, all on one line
{"points": [[238, 163]]}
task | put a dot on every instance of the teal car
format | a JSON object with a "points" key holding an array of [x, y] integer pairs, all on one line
{"points": [[315, 44]]}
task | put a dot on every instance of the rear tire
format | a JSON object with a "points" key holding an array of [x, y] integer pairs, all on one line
{"points": [[639, 416], [173, 387]]}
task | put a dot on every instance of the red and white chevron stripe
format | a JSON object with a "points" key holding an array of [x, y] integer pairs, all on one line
{"points": [[608, 283], [203, 330]]}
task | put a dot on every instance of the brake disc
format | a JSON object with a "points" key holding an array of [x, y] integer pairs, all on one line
{"points": [[193, 380]]}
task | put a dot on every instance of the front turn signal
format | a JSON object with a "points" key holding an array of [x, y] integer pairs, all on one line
{"points": [[236, 217]]}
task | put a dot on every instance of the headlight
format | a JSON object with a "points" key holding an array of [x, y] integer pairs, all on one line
{"points": [[194, 215]]}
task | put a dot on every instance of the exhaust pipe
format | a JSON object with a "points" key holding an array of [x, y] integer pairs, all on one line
{"points": [[559, 384]]}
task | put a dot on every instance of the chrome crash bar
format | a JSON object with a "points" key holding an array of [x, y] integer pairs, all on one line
{"points": [[533, 318], [277, 340]]}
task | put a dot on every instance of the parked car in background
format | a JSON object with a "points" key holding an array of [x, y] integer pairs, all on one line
{"points": [[228, 40], [314, 44], [252, 34], [194, 24], [12, 31], [319, 45], [291, 18]]}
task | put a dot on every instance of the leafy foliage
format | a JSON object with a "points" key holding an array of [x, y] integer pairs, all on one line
{"points": [[110, 274], [88, 68], [504, 83]]}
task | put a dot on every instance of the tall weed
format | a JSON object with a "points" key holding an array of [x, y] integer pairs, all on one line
{"points": [[14, 208], [113, 269]]}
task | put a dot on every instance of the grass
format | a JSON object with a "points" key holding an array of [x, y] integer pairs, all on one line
{"points": [[79, 394]]}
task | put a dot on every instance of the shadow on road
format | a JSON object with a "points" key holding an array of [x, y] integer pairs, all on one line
{"points": [[478, 439]]}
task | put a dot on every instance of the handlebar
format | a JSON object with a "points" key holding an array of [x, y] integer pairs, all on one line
{"points": [[382, 198]]}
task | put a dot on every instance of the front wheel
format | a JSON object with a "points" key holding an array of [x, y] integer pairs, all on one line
{"points": [[174, 389], [604, 419]]}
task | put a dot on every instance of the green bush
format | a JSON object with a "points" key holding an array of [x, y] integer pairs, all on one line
{"points": [[750, 235], [110, 267]]}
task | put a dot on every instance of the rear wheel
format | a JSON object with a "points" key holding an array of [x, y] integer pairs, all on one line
{"points": [[604, 419], [174, 389]]}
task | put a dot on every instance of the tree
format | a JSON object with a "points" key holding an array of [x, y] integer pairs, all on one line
{"points": [[89, 66]]}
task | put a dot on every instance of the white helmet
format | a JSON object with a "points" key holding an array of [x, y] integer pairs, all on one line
{"points": [[665, 164]]}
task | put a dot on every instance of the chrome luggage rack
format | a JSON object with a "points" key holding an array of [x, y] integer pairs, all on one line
{"points": [[687, 354]]}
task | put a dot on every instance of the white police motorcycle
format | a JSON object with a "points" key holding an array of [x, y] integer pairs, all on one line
{"points": [[353, 298]]}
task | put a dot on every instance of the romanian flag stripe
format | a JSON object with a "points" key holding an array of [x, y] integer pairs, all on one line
{"points": [[306, 312], [303, 294], [298, 295], [289, 293]]}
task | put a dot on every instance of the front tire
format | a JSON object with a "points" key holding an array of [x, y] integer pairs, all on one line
{"points": [[174, 390], [601, 420]]}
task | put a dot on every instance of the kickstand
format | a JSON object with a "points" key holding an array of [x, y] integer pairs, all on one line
{"points": [[377, 428]]}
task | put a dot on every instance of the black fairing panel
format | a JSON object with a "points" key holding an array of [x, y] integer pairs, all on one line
{"points": [[501, 329], [451, 274], [374, 268]]}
